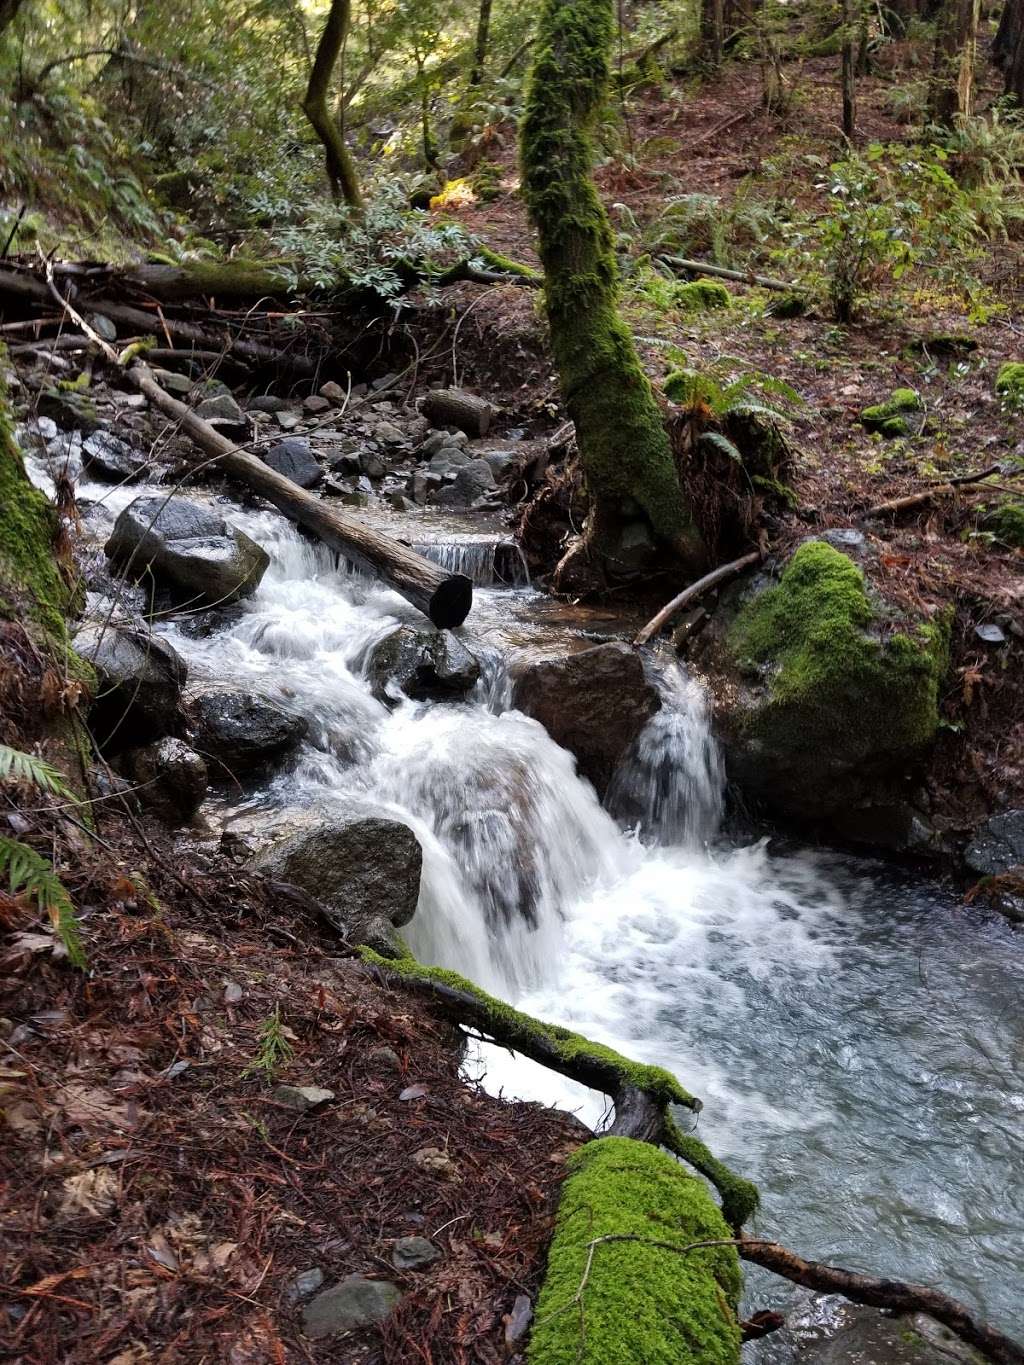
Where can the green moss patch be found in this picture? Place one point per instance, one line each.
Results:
(1006, 522)
(642, 1304)
(701, 296)
(1010, 383)
(838, 689)
(889, 418)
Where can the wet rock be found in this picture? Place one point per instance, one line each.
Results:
(106, 456)
(474, 480)
(635, 549)
(294, 459)
(421, 663)
(71, 411)
(187, 548)
(223, 412)
(869, 1337)
(998, 845)
(301, 1097)
(174, 383)
(268, 402)
(501, 463)
(594, 704)
(429, 447)
(171, 778)
(424, 485)
(364, 866)
(242, 731)
(399, 502)
(355, 1302)
(139, 677)
(448, 461)
(413, 1253)
(372, 465)
(346, 462)
(103, 327)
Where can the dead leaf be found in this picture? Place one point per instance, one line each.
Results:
(93, 1193)
(159, 1249)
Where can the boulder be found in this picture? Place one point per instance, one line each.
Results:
(242, 731)
(268, 403)
(826, 696)
(180, 384)
(171, 778)
(223, 412)
(355, 1302)
(998, 845)
(70, 410)
(189, 549)
(106, 456)
(364, 867)
(421, 663)
(139, 679)
(594, 703)
(870, 1337)
(294, 459)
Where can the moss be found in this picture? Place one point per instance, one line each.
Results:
(791, 305)
(887, 418)
(641, 1304)
(835, 683)
(624, 447)
(701, 296)
(740, 1198)
(661, 1084)
(496, 261)
(1006, 522)
(1010, 383)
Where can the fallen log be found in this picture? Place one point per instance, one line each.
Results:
(456, 408)
(725, 273)
(690, 594)
(444, 597)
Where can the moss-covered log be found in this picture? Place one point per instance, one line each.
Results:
(623, 445)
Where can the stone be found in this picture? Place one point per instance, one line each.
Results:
(449, 459)
(501, 462)
(294, 459)
(103, 327)
(355, 1302)
(315, 405)
(132, 402)
(305, 1283)
(998, 845)
(594, 703)
(421, 664)
(423, 485)
(106, 456)
(365, 866)
(287, 420)
(990, 634)
(413, 1253)
(474, 480)
(222, 411)
(635, 548)
(436, 441)
(268, 402)
(869, 1337)
(189, 549)
(333, 392)
(518, 1321)
(385, 1058)
(399, 502)
(174, 383)
(243, 731)
(140, 678)
(171, 778)
(71, 411)
(346, 462)
(301, 1097)
(389, 434)
(372, 465)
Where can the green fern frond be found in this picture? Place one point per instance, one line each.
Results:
(760, 410)
(31, 873)
(717, 441)
(16, 766)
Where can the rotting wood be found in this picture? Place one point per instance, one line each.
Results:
(456, 408)
(690, 594)
(445, 598)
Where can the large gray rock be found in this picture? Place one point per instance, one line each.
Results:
(421, 663)
(189, 549)
(139, 679)
(363, 867)
(223, 412)
(170, 778)
(594, 704)
(355, 1302)
(106, 456)
(242, 731)
(293, 458)
(998, 845)
(868, 1337)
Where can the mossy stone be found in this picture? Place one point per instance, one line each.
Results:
(701, 296)
(1006, 522)
(888, 418)
(1010, 383)
(648, 1298)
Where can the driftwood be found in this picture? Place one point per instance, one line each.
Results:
(444, 597)
(939, 490)
(740, 276)
(691, 594)
(456, 408)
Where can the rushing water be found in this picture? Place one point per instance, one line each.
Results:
(856, 1036)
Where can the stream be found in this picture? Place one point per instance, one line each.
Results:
(855, 1033)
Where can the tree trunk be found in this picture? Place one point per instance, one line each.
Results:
(1008, 49)
(483, 30)
(956, 39)
(624, 448)
(849, 63)
(340, 168)
(8, 12)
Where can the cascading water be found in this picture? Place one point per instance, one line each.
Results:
(855, 1038)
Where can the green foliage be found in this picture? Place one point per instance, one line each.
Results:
(701, 296)
(273, 1050)
(704, 226)
(31, 875)
(888, 418)
(16, 766)
(626, 1301)
(1005, 522)
(1010, 385)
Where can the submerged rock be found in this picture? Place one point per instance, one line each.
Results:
(594, 704)
(355, 1302)
(242, 731)
(187, 548)
(998, 846)
(139, 678)
(365, 867)
(421, 663)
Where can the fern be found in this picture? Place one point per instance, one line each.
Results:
(16, 766)
(32, 875)
(717, 441)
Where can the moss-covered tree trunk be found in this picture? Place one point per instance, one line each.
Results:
(483, 30)
(341, 169)
(624, 448)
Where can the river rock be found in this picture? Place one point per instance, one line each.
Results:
(139, 678)
(294, 459)
(421, 663)
(594, 703)
(998, 845)
(413, 1253)
(365, 867)
(222, 412)
(189, 549)
(181, 384)
(355, 1302)
(171, 778)
(268, 403)
(869, 1337)
(106, 456)
(242, 731)
(71, 411)
(824, 709)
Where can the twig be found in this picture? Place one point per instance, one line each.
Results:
(940, 490)
(694, 591)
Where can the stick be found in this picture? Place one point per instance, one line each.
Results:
(691, 594)
(941, 490)
(740, 276)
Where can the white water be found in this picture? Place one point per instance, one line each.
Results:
(856, 1040)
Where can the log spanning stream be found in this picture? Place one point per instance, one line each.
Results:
(856, 1035)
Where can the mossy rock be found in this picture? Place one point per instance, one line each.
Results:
(1010, 383)
(641, 1303)
(701, 296)
(827, 697)
(784, 306)
(1006, 522)
(889, 418)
